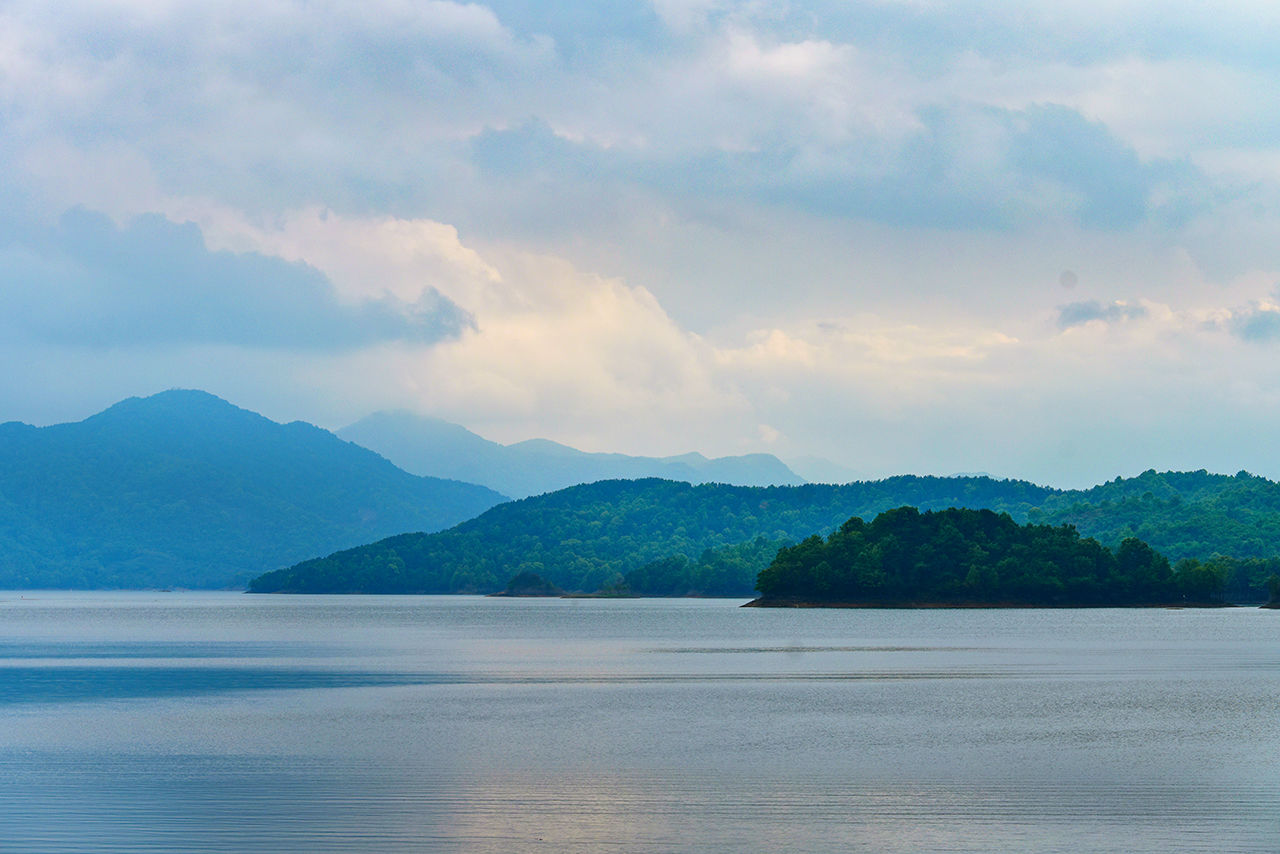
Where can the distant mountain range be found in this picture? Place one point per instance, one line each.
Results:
(185, 489)
(429, 446)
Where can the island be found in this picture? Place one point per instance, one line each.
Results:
(975, 558)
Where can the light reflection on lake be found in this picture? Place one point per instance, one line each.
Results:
(225, 722)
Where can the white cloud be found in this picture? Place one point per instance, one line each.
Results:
(737, 89)
(366, 258)
(590, 356)
(257, 104)
(581, 352)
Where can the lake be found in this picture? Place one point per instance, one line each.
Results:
(221, 722)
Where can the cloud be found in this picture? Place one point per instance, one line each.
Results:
(1060, 145)
(656, 226)
(542, 340)
(372, 258)
(591, 354)
(89, 283)
(976, 166)
(598, 362)
(260, 102)
(961, 167)
(1062, 409)
(1080, 313)
(427, 108)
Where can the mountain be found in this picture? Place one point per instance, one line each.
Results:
(184, 489)
(588, 537)
(599, 535)
(430, 446)
(1181, 514)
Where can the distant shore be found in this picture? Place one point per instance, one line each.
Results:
(802, 603)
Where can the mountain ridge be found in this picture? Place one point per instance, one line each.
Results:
(433, 447)
(589, 536)
(182, 488)
(595, 536)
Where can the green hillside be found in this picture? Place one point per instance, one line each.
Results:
(184, 489)
(594, 536)
(1181, 514)
(587, 537)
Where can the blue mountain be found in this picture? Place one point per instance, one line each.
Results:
(184, 489)
(430, 446)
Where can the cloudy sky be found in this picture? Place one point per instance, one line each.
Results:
(1035, 239)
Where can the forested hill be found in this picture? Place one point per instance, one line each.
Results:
(587, 537)
(185, 489)
(1181, 514)
(974, 557)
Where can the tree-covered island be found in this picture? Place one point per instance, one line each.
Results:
(960, 557)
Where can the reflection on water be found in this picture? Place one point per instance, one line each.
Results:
(68, 683)
(201, 804)
(227, 723)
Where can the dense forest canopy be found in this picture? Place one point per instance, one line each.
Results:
(726, 571)
(653, 535)
(589, 537)
(1182, 514)
(603, 535)
(961, 556)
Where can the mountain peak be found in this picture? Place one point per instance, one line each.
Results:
(403, 422)
(175, 400)
(178, 397)
(178, 415)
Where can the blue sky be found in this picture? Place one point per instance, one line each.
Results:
(1033, 239)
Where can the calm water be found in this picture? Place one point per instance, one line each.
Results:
(232, 723)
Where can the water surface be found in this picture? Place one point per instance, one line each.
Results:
(212, 722)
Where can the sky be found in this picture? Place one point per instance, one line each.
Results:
(1033, 239)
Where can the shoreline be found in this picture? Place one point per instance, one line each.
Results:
(919, 606)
